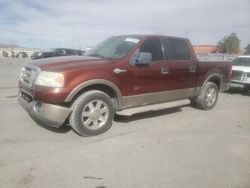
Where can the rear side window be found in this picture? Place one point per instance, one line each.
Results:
(70, 52)
(61, 52)
(153, 46)
(177, 49)
(79, 52)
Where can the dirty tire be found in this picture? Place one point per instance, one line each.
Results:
(208, 97)
(193, 102)
(92, 113)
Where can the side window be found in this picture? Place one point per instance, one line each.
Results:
(153, 46)
(123, 48)
(61, 52)
(69, 52)
(177, 49)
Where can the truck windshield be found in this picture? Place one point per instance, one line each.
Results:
(241, 62)
(113, 47)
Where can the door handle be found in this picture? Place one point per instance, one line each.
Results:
(164, 70)
(192, 68)
(118, 71)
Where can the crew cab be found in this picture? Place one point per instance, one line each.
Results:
(121, 72)
(241, 73)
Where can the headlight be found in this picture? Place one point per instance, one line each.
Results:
(50, 79)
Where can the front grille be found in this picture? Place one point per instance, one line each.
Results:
(26, 97)
(28, 75)
(237, 75)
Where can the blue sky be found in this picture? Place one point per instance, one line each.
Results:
(82, 23)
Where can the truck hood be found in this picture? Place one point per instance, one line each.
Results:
(241, 68)
(58, 64)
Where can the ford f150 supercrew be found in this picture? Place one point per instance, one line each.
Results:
(121, 72)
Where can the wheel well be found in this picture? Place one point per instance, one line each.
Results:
(100, 87)
(216, 81)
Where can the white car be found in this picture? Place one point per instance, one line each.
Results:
(241, 73)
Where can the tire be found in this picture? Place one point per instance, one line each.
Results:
(92, 113)
(208, 98)
(193, 102)
(246, 89)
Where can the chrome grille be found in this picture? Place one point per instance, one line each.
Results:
(28, 75)
(237, 75)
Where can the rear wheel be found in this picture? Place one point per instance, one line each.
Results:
(92, 113)
(208, 97)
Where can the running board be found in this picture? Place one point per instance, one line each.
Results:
(153, 107)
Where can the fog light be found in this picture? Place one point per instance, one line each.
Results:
(38, 107)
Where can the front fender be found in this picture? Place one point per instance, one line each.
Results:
(85, 84)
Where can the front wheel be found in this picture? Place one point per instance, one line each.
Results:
(92, 113)
(208, 97)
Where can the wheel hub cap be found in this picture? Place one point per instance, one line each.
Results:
(95, 114)
(210, 97)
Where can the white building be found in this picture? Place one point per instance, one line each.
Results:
(16, 51)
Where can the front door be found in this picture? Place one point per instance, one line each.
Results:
(146, 79)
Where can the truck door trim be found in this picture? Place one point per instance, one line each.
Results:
(153, 98)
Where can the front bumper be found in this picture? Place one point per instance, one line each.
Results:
(50, 114)
(239, 85)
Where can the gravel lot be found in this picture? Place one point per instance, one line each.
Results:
(177, 147)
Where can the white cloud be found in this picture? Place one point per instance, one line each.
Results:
(82, 23)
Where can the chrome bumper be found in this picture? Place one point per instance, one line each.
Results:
(224, 86)
(50, 114)
(239, 84)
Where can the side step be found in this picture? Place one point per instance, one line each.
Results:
(153, 107)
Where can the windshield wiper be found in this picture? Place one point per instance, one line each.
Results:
(96, 55)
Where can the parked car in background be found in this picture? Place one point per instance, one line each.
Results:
(5, 54)
(57, 52)
(241, 73)
(21, 54)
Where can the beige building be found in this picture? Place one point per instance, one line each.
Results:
(200, 49)
(205, 49)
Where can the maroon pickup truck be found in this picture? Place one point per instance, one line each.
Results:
(121, 72)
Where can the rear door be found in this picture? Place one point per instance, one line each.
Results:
(181, 65)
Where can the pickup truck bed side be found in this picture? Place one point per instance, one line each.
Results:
(217, 72)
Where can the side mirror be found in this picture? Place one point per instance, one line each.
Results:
(144, 58)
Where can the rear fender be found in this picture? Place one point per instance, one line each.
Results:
(215, 78)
